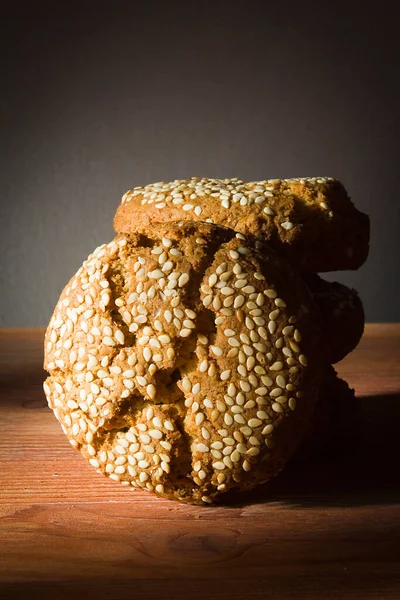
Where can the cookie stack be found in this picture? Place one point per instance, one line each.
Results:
(192, 354)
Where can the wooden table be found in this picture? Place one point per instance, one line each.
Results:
(324, 528)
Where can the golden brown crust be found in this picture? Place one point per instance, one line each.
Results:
(184, 361)
(311, 221)
(343, 315)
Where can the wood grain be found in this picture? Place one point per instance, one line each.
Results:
(326, 527)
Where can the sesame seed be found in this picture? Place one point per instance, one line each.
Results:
(268, 429)
(276, 366)
(202, 448)
(196, 388)
(287, 330)
(262, 415)
(241, 369)
(281, 381)
(151, 391)
(205, 433)
(303, 360)
(287, 225)
(280, 302)
(262, 391)
(260, 300)
(292, 403)
(235, 456)
(253, 451)
(281, 399)
(156, 274)
(239, 301)
(199, 418)
(229, 332)
(277, 407)
(225, 375)
(183, 279)
(108, 341)
(268, 211)
(297, 335)
(203, 366)
(147, 354)
(262, 332)
(294, 346)
(219, 465)
(189, 323)
(156, 434)
(228, 419)
(216, 350)
(227, 291)
(249, 323)
(248, 289)
(254, 423)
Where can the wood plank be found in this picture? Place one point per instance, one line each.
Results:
(329, 527)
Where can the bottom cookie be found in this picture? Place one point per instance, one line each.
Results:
(343, 315)
(335, 421)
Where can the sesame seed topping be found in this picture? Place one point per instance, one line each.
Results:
(254, 423)
(183, 280)
(216, 350)
(287, 225)
(202, 448)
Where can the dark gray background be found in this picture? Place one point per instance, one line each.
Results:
(99, 97)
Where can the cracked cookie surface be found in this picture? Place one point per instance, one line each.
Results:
(185, 360)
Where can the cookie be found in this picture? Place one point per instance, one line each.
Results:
(185, 361)
(343, 315)
(334, 427)
(311, 221)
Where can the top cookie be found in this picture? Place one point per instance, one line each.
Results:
(311, 221)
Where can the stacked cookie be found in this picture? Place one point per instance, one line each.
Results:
(192, 354)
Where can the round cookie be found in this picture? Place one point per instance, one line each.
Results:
(185, 361)
(311, 221)
(343, 315)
